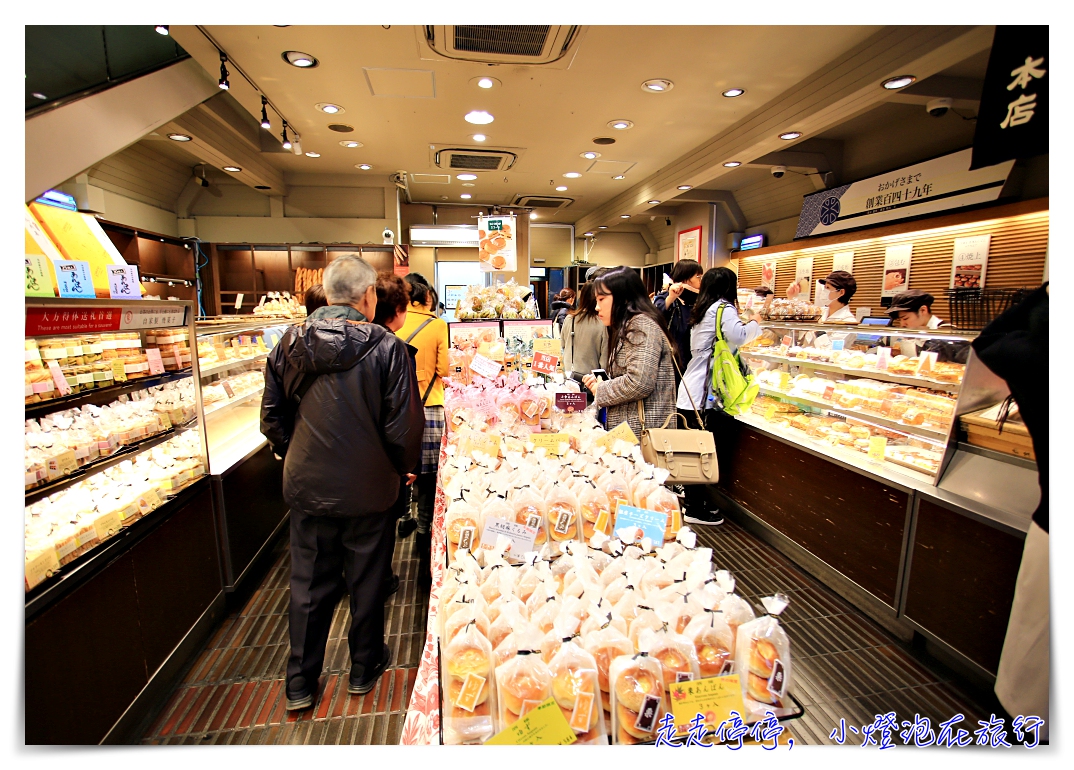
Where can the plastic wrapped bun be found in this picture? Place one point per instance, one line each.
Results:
(763, 663)
(469, 695)
(529, 509)
(637, 698)
(595, 510)
(605, 645)
(576, 690)
(713, 642)
(462, 522)
(562, 514)
(522, 684)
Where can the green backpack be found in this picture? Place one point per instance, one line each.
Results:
(733, 390)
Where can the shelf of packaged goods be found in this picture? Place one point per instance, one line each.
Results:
(102, 396)
(231, 404)
(932, 434)
(948, 334)
(229, 365)
(870, 374)
(246, 324)
(125, 452)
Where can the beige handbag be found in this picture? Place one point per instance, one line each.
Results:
(688, 455)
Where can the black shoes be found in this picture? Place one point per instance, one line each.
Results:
(391, 585)
(365, 683)
(704, 518)
(299, 694)
(406, 527)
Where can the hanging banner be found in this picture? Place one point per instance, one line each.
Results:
(803, 276)
(843, 260)
(768, 275)
(970, 262)
(496, 244)
(935, 185)
(896, 269)
(1012, 121)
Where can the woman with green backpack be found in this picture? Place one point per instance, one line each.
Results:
(714, 376)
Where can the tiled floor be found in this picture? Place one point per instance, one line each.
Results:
(845, 666)
(233, 693)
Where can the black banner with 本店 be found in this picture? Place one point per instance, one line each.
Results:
(1012, 122)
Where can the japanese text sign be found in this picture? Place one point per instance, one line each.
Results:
(74, 279)
(713, 698)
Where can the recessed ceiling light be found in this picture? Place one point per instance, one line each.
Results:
(478, 117)
(162, 29)
(466, 196)
(313, 154)
(232, 169)
(533, 215)
(486, 83)
(732, 164)
(479, 137)
(364, 166)
(653, 202)
(685, 187)
(657, 85)
(572, 175)
(624, 216)
(621, 125)
(561, 188)
(179, 137)
(789, 135)
(466, 177)
(299, 59)
(350, 144)
(618, 177)
(730, 93)
(38, 95)
(602, 227)
(467, 184)
(901, 81)
(588, 234)
(329, 108)
(590, 155)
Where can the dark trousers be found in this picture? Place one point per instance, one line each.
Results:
(331, 555)
(697, 498)
(426, 492)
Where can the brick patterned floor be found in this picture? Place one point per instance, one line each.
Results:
(233, 693)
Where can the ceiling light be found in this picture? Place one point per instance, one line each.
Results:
(466, 196)
(299, 59)
(466, 177)
(479, 137)
(265, 122)
(486, 83)
(621, 125)
(657, 85)
(618, 177)
(533, 215)
(286, 141)
(38, 95)
(789, 135)
(478, 117)
(162, 29)
(224, 84)
(561, 188)
(572, 175)
(313, 154)
(296, 146)
(232, 169)
(589, 234)
(732, 164)
(731, 93)
(179, 137)
(624, 216)
(602, 227)
(467, 184)
(685, 187)
(364, 167)
(590, 155)
(901, 81)
(329, 108)
(350, 144)
(652, 202)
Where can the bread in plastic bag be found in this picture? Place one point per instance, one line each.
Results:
(637, 698)
(522, 684)
(469, 696)
(713, 642)
(763, 662)
(576, 689)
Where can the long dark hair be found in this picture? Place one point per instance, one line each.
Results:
(685, 269)
(629, 299)
(718, 283)
(420, 289)
(587, 302)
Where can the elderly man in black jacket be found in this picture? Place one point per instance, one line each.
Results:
(341, 406)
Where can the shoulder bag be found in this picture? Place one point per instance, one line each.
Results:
(734, 389)
(432, 382)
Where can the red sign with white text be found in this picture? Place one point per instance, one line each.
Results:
(544, 363)
(56, 319)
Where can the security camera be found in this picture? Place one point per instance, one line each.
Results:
(779, 171)
(388, 235)
(399, 179)
(937, 108)
(201, 181)
(667, 221)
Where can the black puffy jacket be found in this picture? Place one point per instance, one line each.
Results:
(359, 425)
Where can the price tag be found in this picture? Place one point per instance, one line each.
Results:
(883, 358)
(877, 447)
(107, 525)
(148, 501)
(570, 402)
(261, 344)
(837, 344)
(786, 341)
(42, 566)
(74, 279)
(829, 392)
(555, 443)
(783, 349)
(544, 725)
(63, 464)
(123, 282)
(714, 698)
(58, 378)
(119, 371)
(156, 365)
(479, 442)
(603, 521)
(228, 389)
(238, 301)
(547, 345)
(472, 687)
(927, 360)
(485, 367)
(521, 536)
(651, 523)
(236, 342)
(770, 412)
(620, 431)
(38, 277)
(221, 352)
(543, 363)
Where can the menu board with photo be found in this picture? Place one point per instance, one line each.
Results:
(896, 269)
(768, 275)
(497, 251)
(970, 262)
(803, 276)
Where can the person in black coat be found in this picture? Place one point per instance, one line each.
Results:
(341, 407)
(562, 304)
(675, 303)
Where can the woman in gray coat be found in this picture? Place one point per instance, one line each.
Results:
(585, 338)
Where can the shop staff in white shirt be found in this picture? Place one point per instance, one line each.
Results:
(913, 310)
(841, 287)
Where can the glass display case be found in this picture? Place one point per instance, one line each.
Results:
(112, 430)
(878, 399)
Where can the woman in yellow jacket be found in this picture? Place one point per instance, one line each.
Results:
(429, 334)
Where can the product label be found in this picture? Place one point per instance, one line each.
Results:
(148, 501)
(546, 345)
(714, 698)
(683, 676)
(583, 712)
(123, 282)
(543, 363)
(651, 523)
(521, 536)
(119, 371)
(156, 365)
(74, 279)
(570, 402)
(38, 278)
(43, 566)
(466, 539)
(650, 707)
(563, 523)
(533, 521)
(777, 683)
(228, 389)
(58, 378)
(63, 464)
(107, 525)
(603, 520)
(883, 358)
(544, 725)
(620, 431)
(485, 367)
(87, 536)
(554, 443)
(475, 441)
(770, 412)
(472, 687)
(877, 446)
(829, 391)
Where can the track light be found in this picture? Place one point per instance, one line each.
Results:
(162, 29)
(224, 84)
(286, 141)
(265, 123)
(296, 145)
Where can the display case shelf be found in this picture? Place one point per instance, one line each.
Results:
(227, 406)
(946, 334)
(872, 374)
(101, 396)
(229, 365)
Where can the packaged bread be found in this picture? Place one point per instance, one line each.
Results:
(736, 611)
(713, 642)
(462, 524)
(675, 653)
(576, 690)
(529, 509)
(636, 685)
(562, 514)
(469, 696)
(522, 684)
(763, 661)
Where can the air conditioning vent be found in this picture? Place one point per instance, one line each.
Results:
(504, 43)
(458, 159)
(542, 201)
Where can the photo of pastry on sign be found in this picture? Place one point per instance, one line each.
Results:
(496, 244)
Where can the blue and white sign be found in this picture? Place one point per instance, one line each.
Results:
(751, 242)
(651, 523)
(74, 279)
(123, 282)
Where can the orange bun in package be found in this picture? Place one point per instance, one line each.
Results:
(617, 489)
(462, 526)
(469, 693)
(562, 514)
(576, 690)
(522, 683)
(595, 510)
(637, 698)
(713, 642)
(529, 509)
(736, 611)
(663, 500)
(605, 644)
(763, 661)
(676, 655)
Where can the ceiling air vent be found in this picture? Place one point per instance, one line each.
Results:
(542, 201)
(458, 159)
(504, 43)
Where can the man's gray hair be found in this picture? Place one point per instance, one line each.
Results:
(347, 279)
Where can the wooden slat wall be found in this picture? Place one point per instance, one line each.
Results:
(1015, 259)
(139, 173)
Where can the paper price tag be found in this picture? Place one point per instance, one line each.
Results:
(554, 443)
(472, 687)
(123, 282)
(544, 363)
(603, 523)
(544, 725)
(156, 365)
(927, 360)
(883, 358)
(583, 712)
(521, 536)
(221, 352)
(107, 525)
(228, 389)
(238, 301)
(38, 277)
(485, 404)
(63, 464)
(829, 392)
(479, 442)
(620, 431)
(148, 501)
(837, 344)
(58, 378)
(41, 567)
(547, 345)
(570, 402)
(770, 412)
(877, 447)
(119, 370)
(485, 366)
(651, 523)
(713, 698)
